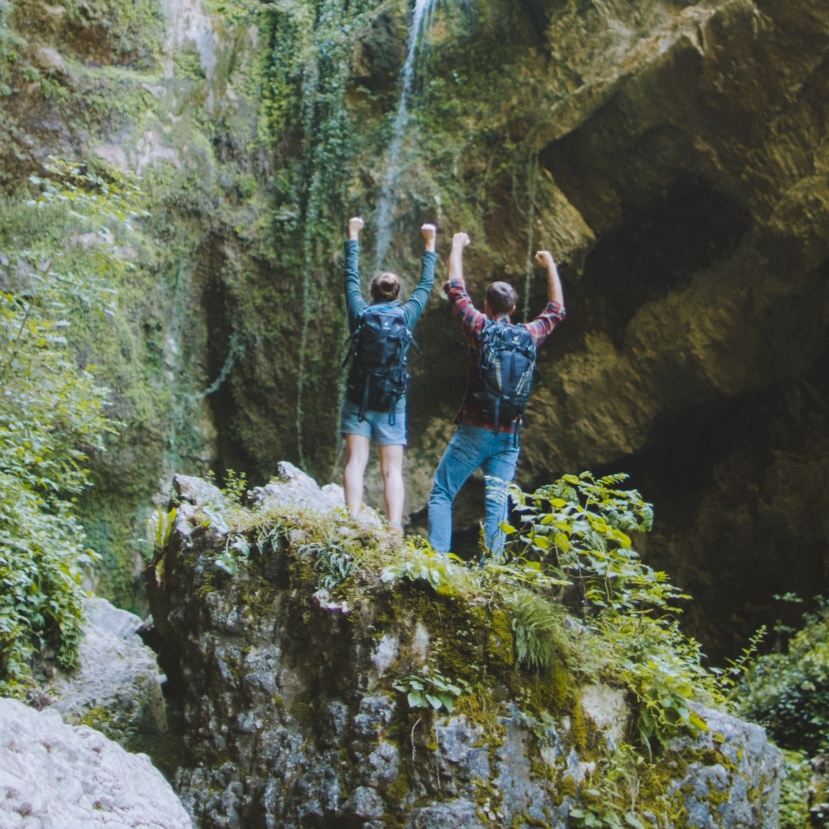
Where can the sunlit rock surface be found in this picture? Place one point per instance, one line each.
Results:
(117, 685)
(56, 776)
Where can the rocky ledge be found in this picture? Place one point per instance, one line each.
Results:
(331, 675)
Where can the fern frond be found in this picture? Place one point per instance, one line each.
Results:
(540, 636)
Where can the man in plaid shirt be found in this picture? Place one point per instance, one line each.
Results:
(479, 441)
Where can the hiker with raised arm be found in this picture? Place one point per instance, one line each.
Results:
(502, 371)
(374, 410)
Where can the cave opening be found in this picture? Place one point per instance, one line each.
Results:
(658, 247)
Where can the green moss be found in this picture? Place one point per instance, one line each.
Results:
(499, 643)
(654, 787)
(457, 637)
(398, 790)
(97, 717)
(566, 787)
(578, 729)
(543, 692)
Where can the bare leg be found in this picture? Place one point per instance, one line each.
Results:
(357, 447)
(391, 468)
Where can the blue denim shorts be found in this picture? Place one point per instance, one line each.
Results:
(375, 426)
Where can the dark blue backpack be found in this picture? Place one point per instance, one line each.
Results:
(378, 377)
(507, 372)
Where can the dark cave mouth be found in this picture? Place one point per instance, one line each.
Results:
(660, 245)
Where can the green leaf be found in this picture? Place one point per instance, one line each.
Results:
(697, 722)
(434, 701)
(415, 700)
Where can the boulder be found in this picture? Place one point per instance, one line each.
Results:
(50, 62)
(56, 776)
(716, 794)
(293, 708)
(292, 488)
(117, 685)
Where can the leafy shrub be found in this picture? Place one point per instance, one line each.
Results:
(431, 690)
(572, 546)
(442, 572)
(788, 693)
(51, 409)
(794, 791)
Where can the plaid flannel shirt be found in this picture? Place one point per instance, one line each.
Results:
(472, 322)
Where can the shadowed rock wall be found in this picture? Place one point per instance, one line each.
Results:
(690, 149)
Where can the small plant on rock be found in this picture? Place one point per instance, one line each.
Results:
(431, 690)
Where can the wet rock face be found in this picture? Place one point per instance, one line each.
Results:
(679, 160)
(292, 719)
(704, 303)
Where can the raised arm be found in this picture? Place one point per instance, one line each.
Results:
(353, 295)
(554, 291)
(459, 242)
(542, 326)
(471, 319)
(420, 296)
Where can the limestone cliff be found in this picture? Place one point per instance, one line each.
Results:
(57, 776)
(671, 154)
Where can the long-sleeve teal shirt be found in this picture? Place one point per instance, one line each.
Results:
(354, 296)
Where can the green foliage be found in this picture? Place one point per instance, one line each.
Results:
(223, 517)
(52, 412)
(577, 530)
(333, 563)
(573, 546)
(305, 78)
(159, 527)
(236, 486)
(130, 31)
(788, 693)
(794, 791)
(442, 572)
(538, 625)
(431, 690)
(613, 803)
(236, 547)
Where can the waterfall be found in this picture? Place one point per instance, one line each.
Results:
(421, 20)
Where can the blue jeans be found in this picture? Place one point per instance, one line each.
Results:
(497, 454)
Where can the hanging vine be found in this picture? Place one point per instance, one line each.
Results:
(305, 80)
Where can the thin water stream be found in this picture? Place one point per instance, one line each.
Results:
(421, 23)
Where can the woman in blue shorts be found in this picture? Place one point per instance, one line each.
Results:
(386, 430)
